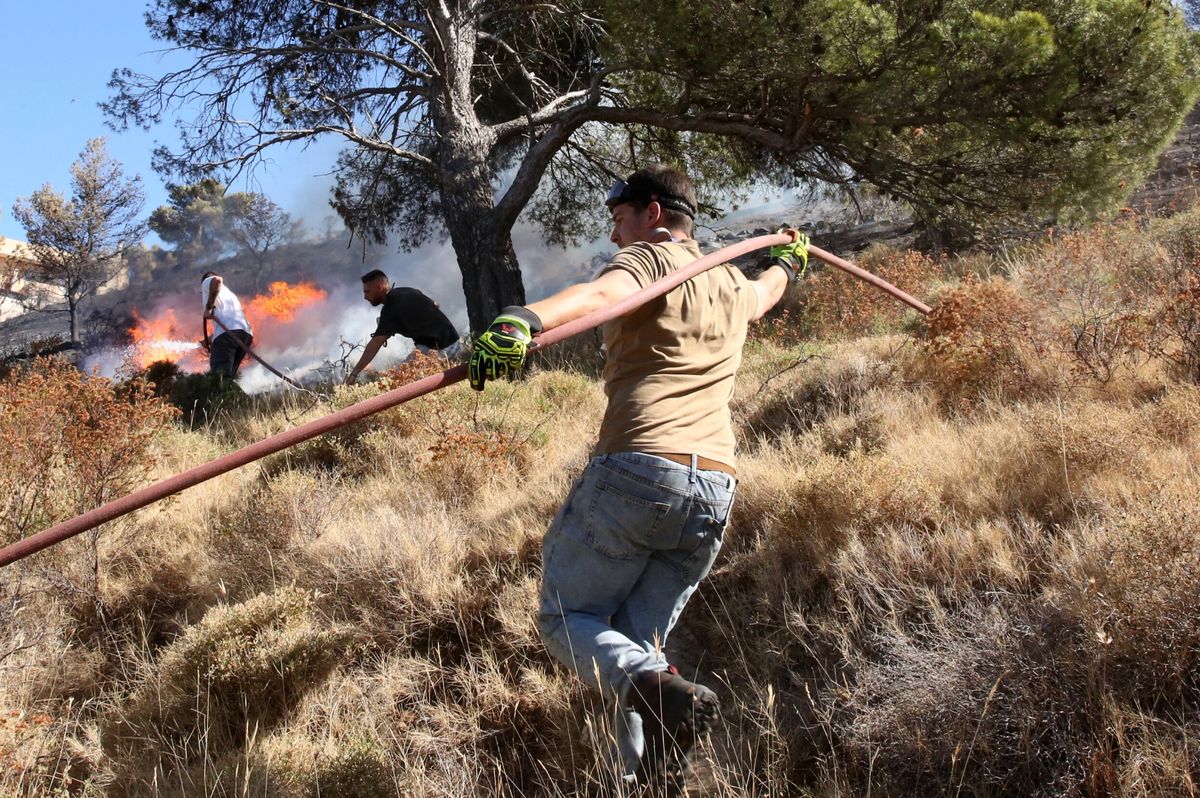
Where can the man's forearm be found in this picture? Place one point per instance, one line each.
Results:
(369, 351)
(770, 286)
(581, 299)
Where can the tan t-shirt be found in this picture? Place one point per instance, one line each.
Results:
(671, 363)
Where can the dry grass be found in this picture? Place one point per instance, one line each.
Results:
(938, 581)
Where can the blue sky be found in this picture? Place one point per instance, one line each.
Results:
(52, 85)
(55, 62)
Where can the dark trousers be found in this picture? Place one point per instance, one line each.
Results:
(224, 355)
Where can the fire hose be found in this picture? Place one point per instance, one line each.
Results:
(282, 440)
(255, 356)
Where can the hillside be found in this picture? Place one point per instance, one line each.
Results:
(1173, 183)
(964, 560)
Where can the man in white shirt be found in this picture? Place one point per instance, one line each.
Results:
(232, 334)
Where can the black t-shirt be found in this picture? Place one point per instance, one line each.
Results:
(408, 312)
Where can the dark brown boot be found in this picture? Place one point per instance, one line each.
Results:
(675, 714)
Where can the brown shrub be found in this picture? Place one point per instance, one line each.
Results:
(1135, 580)
(235, 672)
(416, 367)
(1095, 289)
(34, 758)
(782, 327)
(357, 767)
(1175, 416)
(71, 443)
(805, 391)
(827, 504)
(1179, 234)
(834, 303)
(983, 338)
(910, 603)
(1117, 295)
(1179, 321)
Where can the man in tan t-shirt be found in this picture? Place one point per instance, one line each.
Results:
(643, 524)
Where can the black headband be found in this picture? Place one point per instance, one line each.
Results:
(622, 191)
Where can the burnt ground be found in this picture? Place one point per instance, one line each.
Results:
(1175, 182)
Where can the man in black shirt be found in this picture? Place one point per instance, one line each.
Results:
(407, 312)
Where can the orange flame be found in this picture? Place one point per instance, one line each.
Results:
(282, 302)
(158, 338)
(148, 330)
(161, 337)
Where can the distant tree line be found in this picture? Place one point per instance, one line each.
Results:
(204, 224)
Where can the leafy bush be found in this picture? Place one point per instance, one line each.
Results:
(201, 398)
(71, 443)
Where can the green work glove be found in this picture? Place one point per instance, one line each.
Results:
(501, 348)
(792, 258)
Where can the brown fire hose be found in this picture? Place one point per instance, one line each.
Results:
(874, 280)
(254, 355)
(282, 440)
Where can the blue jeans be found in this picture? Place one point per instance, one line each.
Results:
(626, 551)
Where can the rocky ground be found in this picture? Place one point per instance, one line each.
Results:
(1174, 183)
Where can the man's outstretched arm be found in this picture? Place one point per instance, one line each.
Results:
(369, 351)
(581, 299)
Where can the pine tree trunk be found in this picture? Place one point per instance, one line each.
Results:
(483, 246)
(73, 312)
(491, 276)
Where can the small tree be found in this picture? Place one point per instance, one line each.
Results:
(193, 221)
(258, 225)
(79, 243)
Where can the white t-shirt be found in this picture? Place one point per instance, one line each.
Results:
(227, 310)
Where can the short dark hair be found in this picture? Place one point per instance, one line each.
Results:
(670, 182)
(206, 275)
(373, 275)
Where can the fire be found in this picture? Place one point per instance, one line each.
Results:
(158, 338)
(282, 302)
(148, 330)
(162, 337)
